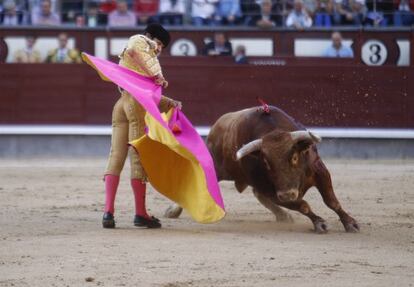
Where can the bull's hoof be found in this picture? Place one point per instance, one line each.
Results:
(352, 227)
(320, 226)
(174, 211)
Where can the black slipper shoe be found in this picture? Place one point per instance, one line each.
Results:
(108, 220)
(142, 221)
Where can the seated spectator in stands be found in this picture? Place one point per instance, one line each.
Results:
(249, 10)
(172, 12)
(122, 17)
(63, 54)
(21, 5)
(227, 12)
(310, 7)
(220, 46)
(10, 16)
(404, 15)
(298, 18)
(202, 12)
(70, 9)
(337, 48)
(240, 55)
(270, 15)
(93, 17)
(80, 20)
(34, 5)
(324, 13)
(44, 15)
(349, 12)
(28, 54)
(379, 14)
(107, 6)
(146, 11)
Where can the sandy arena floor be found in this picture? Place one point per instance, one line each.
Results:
(51, 234)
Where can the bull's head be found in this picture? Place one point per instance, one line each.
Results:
(286, 158)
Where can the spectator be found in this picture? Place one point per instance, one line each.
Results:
(146, 10)
(324, 13)
(21, 5)
(249, 10)
(10, 16)
(28, 54)
(380, 12)
(298, 18)
(35, 5)
(220, 46)
(107, 6)
(404, 15)
(349, 12)
(227, 12)
(63, 54)
(70, 9)
(172, 12)
(44, 15)
(240, 55)
(310, 7)
(202, 11)
(80, 20)
(270, 16)
(93, 18)
(122, 17)
(337, 49)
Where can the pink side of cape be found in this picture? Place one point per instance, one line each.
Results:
(148, 95)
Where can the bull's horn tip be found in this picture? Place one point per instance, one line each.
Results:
(315, 137)
(238, 155)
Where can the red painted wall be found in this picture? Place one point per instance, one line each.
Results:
(318, 93)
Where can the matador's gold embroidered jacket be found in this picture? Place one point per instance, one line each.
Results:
(139, 55)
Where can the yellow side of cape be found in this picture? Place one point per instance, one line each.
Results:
(175, 172)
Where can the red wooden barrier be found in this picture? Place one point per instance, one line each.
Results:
(315, 94)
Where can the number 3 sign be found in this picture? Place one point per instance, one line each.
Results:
(374, 53)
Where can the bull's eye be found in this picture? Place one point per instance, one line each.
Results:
(295, 159)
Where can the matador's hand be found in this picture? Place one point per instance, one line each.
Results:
(160, 80)
(178, 104)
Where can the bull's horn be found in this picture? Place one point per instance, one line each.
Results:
(305, 135)
(248, 148)
(315, 137)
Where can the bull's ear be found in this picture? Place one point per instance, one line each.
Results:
(303, 145)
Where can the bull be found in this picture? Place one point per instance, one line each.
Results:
(275, 155)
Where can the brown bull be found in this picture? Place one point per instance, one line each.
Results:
(278, 158)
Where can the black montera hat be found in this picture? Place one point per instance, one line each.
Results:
(158, 31)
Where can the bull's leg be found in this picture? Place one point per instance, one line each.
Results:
(281, 215)
(173, 211)
(324, 185)
(303, 207)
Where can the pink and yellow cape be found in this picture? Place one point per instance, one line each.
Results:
(177, 161)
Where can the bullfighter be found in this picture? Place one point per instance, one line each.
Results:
(139, 55)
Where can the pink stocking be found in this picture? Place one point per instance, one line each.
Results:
(139, 187)
(111, 186)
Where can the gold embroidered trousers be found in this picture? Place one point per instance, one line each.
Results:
(128, 124)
